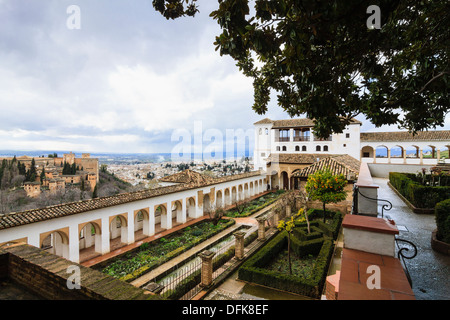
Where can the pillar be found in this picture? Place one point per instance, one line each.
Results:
(183, 210)
(130, 227)
(261, 228)
(404, 155)
(105, 236)
(151, 221)
(421, 156)
(239, 245)
(276, 218)
(74, 244)
(389, 155)
(207, 268)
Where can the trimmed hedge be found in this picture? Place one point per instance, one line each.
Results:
(253, 269)
(442, 213)
(419, 195)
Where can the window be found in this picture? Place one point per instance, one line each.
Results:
(325, 148)
(347, 135)
(284, 148)
(303, 148)
(297, 148)
(318, 148)
(278, 148)
(366, 154)
(345, 145)
(267, 131)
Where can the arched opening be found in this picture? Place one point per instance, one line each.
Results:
(367, 152)
(141, 222)
(160, 217)
(91, 236)
(57, 243)
(297, 148)
(233, 195)
(397, 152)
(304, 148)
(219, 199)
(177, 211)
(240, 193)
(190, 209)
(227, 197)
(284, 180)
(325, 148)
(118, 228)
(381, 152)
(246, 194)
(206, 204)
(284, 148)
(318, 148)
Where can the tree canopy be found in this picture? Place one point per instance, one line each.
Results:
(324, 62)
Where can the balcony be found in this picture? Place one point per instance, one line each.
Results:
(302, 138)
(282, 139)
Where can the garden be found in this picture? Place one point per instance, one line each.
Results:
(422, 190)
(297, 259)
(245, 209)
(148, 256)
(135, 263)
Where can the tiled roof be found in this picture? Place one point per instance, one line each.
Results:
(439, 135)
(188, 176)
(292, 123)
(296, 158)
(342, 164)
(36, 215)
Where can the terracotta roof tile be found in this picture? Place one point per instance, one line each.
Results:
(341, 164)
(439, 135)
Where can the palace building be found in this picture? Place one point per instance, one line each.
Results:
(284, 148)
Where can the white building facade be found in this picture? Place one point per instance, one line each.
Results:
(295, 136)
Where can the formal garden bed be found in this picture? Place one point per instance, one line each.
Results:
(245, 209)
(148, 256)
(311, 254)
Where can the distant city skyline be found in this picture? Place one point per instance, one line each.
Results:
(123, 82)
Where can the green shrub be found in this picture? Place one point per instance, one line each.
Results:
(420, 196)
(442, 214)
(253, 269)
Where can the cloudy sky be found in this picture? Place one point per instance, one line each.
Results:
(127, 81)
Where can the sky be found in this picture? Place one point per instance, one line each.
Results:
(124, 80)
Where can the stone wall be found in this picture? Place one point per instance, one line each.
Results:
(46, 275)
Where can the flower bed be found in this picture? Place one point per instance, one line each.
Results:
(148, 256)
(255, 205)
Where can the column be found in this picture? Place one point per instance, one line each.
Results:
(288, 211)
(404, 155)
(389, 155)
(421, 156)
(207, 268)
(130, 227)
(151, 220)
(74, 244)
(105, 235)
(168, 216)
(184, 204)
(239, 244)
(276, 218)
(261, 228)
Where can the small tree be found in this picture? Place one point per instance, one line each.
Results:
(288, 226)
(326, 187)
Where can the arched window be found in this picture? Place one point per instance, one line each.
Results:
(284, 148)
(267, 131)
(297, 148)
(318, 148)
(303, 148)
(278, 148)
(325, 148)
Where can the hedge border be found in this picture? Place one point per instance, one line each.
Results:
(253, 270)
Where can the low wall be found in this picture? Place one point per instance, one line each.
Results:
(381, 170)
(46, 275)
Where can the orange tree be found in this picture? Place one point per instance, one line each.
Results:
(326, 187)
